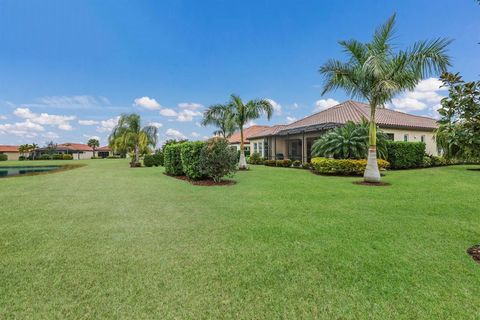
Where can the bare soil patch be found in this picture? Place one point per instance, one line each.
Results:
(372, 184)
(474, 252)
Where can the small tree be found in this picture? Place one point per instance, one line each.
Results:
(51, 148)
(94, 144)
(218, 159)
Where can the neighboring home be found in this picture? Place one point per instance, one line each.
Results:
(77, 150)
(104, 152)
(294, 141)
(11, 152)
(234, 139)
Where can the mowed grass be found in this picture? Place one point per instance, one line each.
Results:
(107, 241)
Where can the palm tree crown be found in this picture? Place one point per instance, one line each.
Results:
(376, 72)
(219, 115)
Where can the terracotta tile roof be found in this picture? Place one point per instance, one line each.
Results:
(4, 148)
(269, 131)
(104, 148)
(356, 111)
(247, 133)
(74, 146)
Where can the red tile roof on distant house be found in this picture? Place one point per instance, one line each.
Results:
(4, 148)
(104, 148)
(74, 146)
(356, 112)
(247, 132)
(269, 131)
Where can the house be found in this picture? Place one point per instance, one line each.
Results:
(11, 152)
(104, 152)
(294, 141)
(234, 139)
(79, 151)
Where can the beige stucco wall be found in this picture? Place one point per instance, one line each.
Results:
(12, 155)
(82, 156)
(415, 136)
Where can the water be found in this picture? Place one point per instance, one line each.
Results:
(15, 171)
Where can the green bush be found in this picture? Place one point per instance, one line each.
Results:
(3, 157)
(279, 163)
(190, 156)
(57, 156)
(438, 161)
(404, 155)
(67, 157)
(149, 160)
(427, 161)
(255, 158)
(296, 163)
(346, 167)
(217, 159)
(158, 156)
(22, 158)
(287, 163)
(172, 159)
(306, 165)
(45, 157)
(96, 157)
(113, 157)
(270, 163)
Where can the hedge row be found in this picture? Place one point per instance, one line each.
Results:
(404, 155)
(3, 157)
(151, 160)
(190, 157)
(345, 167)
(172, 159)
(56, 157)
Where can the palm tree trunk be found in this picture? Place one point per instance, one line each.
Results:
(242, 165)
(372, 174)
(136, 154)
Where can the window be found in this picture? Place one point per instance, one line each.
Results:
(266, 150)
(255, 147)
(422, 138)
(260, 149)
(390, 136)
(405, 137)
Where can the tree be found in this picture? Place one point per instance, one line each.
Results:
(458, 135)
(51, 148)
(242, 113)
(220, 115)
(217, 159)
(32, 149)
(94, 144)
(348, 142)
(376, 72)
(129, 136)
(23, 148)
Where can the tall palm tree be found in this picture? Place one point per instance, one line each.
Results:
(94, 144)
(242, 113)
(32, 149)
(376, 72)
(23, 148)
(129, 135)
(220, 115)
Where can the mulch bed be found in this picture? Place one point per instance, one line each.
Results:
(372, 184)
(208, 182)
(474, 169)
(474, 252)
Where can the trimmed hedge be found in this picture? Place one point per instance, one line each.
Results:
(344, 167)
(67, 157)
(172, 159)
(3, 157)
(190, 158)
(270, 163)
(158, 156)
(404, 155)
(149, 160)
(45, 157)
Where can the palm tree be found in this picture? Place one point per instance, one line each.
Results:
(32, 149)
(220, 115)
(94, 144)
(242, 113)
(348, 142)
(376, 72)
(129, 135)
(23, 148)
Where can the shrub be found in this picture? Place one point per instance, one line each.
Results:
(296, 163)
(45, 157)
(113, 157)
(403, 155)
(438, 161)
(306, 165)
(279, 163)
(149, 160)
(270, 163)
(3, 157)
(57, 156)
(256, 159)
(67, 157)
(347, 167)
(190, 156)
(158, 156)
(427, 161)
(287, 163)
(22, 158)
(134, 164)
(172, 159)
(217, 159)
(96, 157)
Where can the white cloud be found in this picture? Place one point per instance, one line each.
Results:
(323, 104)
(277, 108)
(62, 122)
(88, 122)
(291, 119)
(174, 134)
(187, 115)
(168, 112)
(424, 99)
(156, 124)
(195, 134)
(107, 125)
(88, 137)
(147, 103)
(295, 106)
(63, 101)
(27, 129)
(190, 105)
(3, 117)
(50, 135)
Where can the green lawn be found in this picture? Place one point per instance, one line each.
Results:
(107, 241)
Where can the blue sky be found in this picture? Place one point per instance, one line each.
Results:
(69, 68)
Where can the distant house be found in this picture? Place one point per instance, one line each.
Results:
(11, 152)
(234, 139)
(104, 152)
(79, 151)
(294, 141)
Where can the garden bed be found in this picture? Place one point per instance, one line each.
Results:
(206, 182)
(474, 252)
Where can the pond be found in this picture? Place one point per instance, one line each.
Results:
(21, 170)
